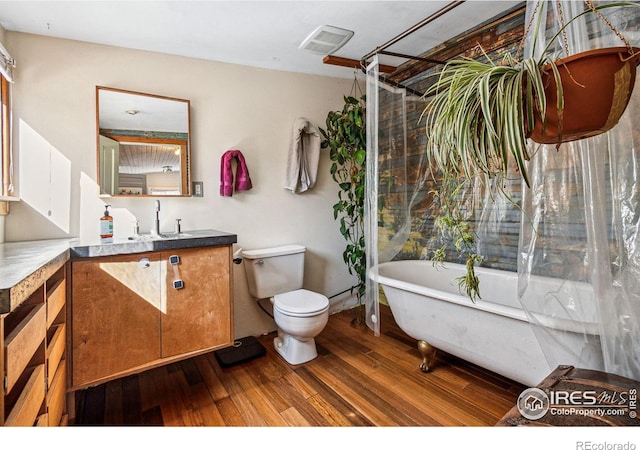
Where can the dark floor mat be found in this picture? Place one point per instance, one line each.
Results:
(244, 349)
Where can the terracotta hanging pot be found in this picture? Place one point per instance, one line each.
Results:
(597, 86)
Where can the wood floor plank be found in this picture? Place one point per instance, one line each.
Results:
(246, 410)
(293, 418)
(408, 398)
(259, 399)
(205, 406)
(358, 379)
(403, 353)
(132, 405)
(334, 399)
(92, 406)
(169, 405)
(241, 399)
(297, 399)
(182, 402)
(153, 416)
(374, 409)
(413, 390)
(113, 413)
(271, 392)
(229, 413)
(152, 393)
(190, 370)
(330, 413)
(382, 368)
(209, 377)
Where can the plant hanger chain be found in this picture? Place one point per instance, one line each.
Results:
(356, 91)
(609, 24)
(526, 32)
(565, 41)
(591, 6)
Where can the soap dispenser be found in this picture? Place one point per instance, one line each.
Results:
(106, 226)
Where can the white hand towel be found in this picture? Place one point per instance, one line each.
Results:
(304, 155)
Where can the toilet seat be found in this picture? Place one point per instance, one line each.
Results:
(301, 303)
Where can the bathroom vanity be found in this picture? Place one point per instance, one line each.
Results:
(145, 303)
(73, 315)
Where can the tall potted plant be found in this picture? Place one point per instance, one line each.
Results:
(345, 135)
(481, 113)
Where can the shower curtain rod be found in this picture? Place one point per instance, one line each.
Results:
(382, 49)
(404, 34)
(417, 58)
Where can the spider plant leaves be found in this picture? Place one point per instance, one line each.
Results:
(475, 119)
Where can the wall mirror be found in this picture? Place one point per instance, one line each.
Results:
(143, 144)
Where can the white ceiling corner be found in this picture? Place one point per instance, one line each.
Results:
(263, 34)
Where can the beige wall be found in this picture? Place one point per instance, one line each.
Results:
(232, 106)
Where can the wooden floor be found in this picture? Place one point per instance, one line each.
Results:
(357, 380)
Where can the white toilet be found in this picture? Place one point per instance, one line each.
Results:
(300, 315)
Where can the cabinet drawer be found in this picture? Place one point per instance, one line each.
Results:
(55, 350)
(56, 396)
(23, 341)
(27, 407)
(56, 296)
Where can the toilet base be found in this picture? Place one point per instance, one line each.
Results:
(295, 351)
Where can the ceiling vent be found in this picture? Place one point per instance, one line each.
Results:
(326, 39)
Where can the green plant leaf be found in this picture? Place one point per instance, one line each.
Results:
(346, 137)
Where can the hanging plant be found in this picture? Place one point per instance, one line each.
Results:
(481, 114)
(345, 135)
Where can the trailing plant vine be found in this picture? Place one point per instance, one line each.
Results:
(345, 135)
(452, 227)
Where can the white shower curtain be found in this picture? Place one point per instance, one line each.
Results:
(582, 217)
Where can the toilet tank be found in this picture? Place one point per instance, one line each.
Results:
(274, 270)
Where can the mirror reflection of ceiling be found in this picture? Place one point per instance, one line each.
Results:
(148, 158)
(122, 111)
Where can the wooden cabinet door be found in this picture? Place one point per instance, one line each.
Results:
(115, 315)
(199, 315)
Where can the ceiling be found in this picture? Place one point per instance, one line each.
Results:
(262, 34)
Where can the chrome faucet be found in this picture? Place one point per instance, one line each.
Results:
(156, 229)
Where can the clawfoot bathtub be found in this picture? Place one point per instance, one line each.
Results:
(494, 332)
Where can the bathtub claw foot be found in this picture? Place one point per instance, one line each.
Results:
(428, 353)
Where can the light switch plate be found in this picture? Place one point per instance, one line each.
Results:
(197, 190)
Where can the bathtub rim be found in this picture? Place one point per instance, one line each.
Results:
(554, 323)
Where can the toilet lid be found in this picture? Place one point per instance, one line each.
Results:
(301, 302)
